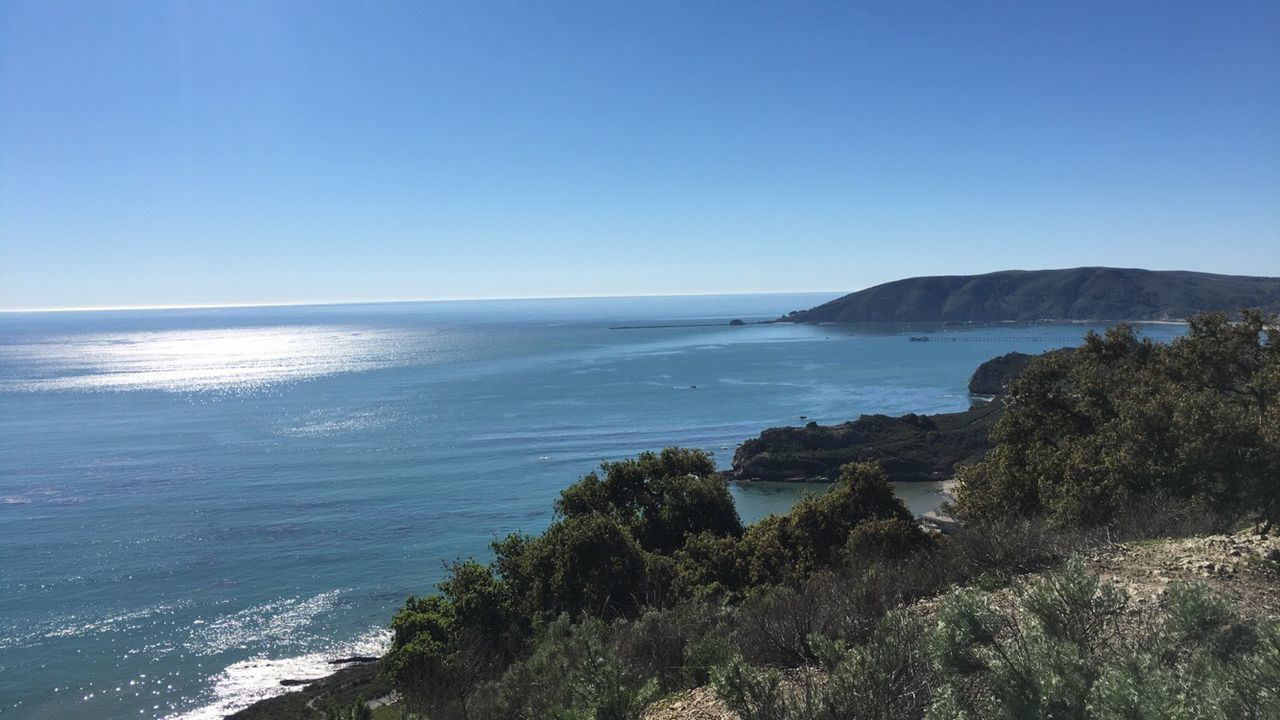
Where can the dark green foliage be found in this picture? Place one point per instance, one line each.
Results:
(480, 601)
(885, 677)
(895, 537)
(659, 498)
(753, 693)
(709, 567)
(812, 535)
(648, 533)
(1087, 432)
(676, 646)
(775, 624)
(582, 564)
(573, 672)
(592, 669)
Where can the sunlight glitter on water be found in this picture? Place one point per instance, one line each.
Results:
(202, 360)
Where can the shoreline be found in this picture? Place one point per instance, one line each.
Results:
(353, 679)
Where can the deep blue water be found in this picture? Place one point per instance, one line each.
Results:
(196, 503)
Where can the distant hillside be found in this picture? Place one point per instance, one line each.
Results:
(1077, 294)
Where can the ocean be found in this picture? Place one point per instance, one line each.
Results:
(198, 503)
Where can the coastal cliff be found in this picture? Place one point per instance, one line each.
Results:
(1090, 293)
(992, 377)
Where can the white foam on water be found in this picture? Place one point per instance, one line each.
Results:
(243, 683)
(283, 622)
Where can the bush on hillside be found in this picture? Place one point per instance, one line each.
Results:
(643, 536)
(583, 564)
(817, 529)
(661, 498)
(574, 672)
(1120, 418)
(1066, 651)
(884, 677)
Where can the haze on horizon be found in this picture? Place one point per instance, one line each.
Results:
(245, 153)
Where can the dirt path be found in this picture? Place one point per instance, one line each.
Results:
(1232, 565)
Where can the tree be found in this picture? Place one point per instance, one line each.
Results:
(660, 498)
(816, 530)
(1086, 431)
(582, 564)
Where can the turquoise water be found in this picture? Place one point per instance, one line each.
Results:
(195, 504)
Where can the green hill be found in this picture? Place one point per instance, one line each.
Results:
(1092, 293)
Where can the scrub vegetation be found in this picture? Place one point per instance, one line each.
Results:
(647, 585)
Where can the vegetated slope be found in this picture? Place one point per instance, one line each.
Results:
(1241, 568)
(1092, 293)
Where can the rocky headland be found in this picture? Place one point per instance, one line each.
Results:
(993, 376)
(908, 447)
(1076, 294)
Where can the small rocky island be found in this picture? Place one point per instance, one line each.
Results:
(909, 447)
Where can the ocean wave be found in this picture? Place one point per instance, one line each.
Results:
(280, 623)
(243, 683)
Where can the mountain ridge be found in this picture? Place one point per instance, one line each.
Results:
(1077, 294)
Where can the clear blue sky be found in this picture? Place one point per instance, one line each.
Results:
(157, 153)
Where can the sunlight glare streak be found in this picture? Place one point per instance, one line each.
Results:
(201, 360)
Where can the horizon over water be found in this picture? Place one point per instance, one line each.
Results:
(198, 502)
(267, 304)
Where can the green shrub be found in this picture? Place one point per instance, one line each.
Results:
(894, 538)
(775, 624)
(885, 677)
(660, 498)
(814, 533)
(752, 693)
(709, 567)
(587, 563)
(1087, 432)
(573, 672)
(1063, 652)
(675, 646)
